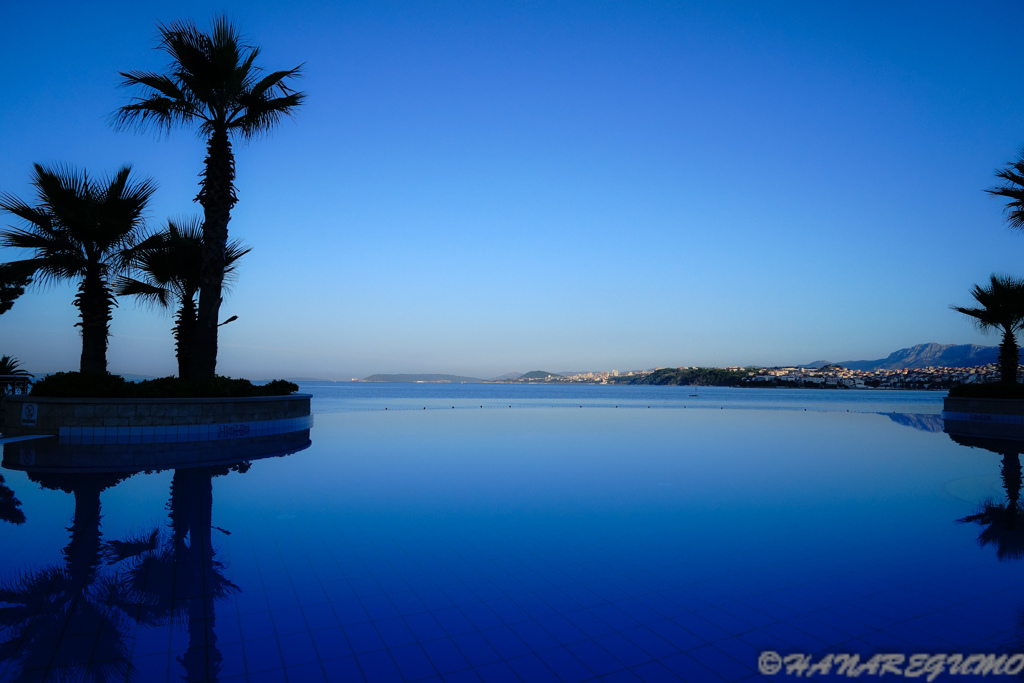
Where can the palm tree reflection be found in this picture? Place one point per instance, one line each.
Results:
(59, 623)
(1001, 520)
(174, 580)
(10, 507)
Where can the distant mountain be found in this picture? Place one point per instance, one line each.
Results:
(538, 374)
(508, 376)
(923, 356)
(454, 379)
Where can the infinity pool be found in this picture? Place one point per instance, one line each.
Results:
(542, 541)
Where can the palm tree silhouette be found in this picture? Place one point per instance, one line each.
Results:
(78, 231)
(212, 81)
(170, 266)
(1001, 308)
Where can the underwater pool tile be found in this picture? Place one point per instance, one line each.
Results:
(622, 649)
(563, 630)
(499, 672)
(506, 643)
(534, 635)
(623, 676)
(445, 656)
(331, 643)
(424, 627)
(566, 665)
(407, 603)
(596, 658)
(297, 648)
(232, 660)
(350, 611)
(363, 638)
(288, 621)
(413, 663)
(394, 632)
(722, 664)
(615, 617)
(475, 648)
(684, 666)
(307, 673)
(261, 655)
(379, 667)
(532, 668)
(379, 608)
(650, 642)
(257, 625)
(784, 635)
(342, 669)
(453, 621)
(702, 628)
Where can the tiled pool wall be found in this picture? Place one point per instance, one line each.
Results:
(53, 454)
(92, 416)
(182, 433)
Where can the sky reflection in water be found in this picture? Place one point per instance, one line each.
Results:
(532, 543)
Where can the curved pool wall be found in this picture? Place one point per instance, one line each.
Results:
(144, 420)
(999, 418)
(49, 454)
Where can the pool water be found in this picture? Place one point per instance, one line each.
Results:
(541, 541)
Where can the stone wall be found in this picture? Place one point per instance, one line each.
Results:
(47, 415)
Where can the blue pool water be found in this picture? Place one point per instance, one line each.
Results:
(434, 533)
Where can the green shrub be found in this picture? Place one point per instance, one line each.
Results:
(995, 390)
(79, 385)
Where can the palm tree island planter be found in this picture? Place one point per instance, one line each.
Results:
(154, 420)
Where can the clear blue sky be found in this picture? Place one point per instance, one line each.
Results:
(482, 187)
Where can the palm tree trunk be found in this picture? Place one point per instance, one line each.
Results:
(184, 336)
(94, 302)
(217, 195)
(1009, 358)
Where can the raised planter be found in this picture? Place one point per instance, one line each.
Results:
(80, 417)
(1000, 418)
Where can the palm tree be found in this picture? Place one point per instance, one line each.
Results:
(1001, 308)
(12, 285)
(169, 262)
(1013, 189)
(212, 81)
(79, 231)
(12, 376)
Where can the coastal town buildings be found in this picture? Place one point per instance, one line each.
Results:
(828, 377)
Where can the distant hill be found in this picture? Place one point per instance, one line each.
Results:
(538, 374)
(507, 376)
(454, 379)
(922, 356)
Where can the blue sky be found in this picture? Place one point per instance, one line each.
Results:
(482, 187)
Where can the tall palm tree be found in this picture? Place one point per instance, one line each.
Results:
(170, 266)
(1001, 308)
(213, 82)
(78, 231)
